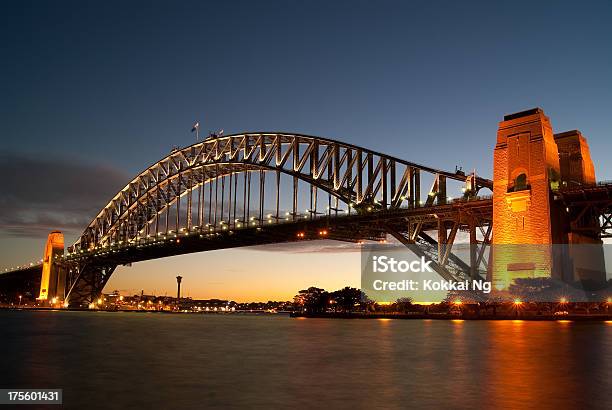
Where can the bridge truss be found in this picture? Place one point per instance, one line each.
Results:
(255, 188)
(589, 208)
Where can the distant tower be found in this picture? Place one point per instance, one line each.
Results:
(52, 279)
(577, 169)
(178, 289)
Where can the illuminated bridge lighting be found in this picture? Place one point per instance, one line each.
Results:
(247, 180)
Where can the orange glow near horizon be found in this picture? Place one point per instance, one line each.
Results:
(255, 274)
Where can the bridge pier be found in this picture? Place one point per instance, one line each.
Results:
(86, 283)
(53, 278)
(531, 165)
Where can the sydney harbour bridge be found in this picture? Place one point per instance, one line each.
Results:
(271, 187)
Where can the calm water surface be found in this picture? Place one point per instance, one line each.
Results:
(131, 360)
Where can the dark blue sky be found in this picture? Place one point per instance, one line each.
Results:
(114, 85)
(426, 81)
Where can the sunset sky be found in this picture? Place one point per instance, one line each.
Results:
(93, 92)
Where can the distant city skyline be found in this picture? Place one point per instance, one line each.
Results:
(95, 92)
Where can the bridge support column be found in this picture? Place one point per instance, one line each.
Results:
(528, 221)
(52, 282)
(88, 284)
(525, 172)
(473, 250)
(577, 170)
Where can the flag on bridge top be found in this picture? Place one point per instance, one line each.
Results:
(196, 126)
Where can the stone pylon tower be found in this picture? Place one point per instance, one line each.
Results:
(525, 172)
(531, 163)
(574, 159)
(585, 260)
(52, 282)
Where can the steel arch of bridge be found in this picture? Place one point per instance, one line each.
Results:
(353, 175)
(169, 197)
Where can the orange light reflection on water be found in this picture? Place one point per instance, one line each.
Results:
(517, 365)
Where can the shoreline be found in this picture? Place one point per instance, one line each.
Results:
(402, 316)
(50, 309)
(355, 315)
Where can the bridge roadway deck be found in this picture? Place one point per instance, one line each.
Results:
(369, 226)
(353, 228)
(600, 193)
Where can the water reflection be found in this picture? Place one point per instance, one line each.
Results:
(140, 360)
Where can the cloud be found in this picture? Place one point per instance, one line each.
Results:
(46, 193)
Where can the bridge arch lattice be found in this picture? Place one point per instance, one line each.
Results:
(218, 186)
(361, 179)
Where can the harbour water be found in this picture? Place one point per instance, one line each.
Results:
(105, 360)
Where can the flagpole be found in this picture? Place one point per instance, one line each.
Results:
(196, 127)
